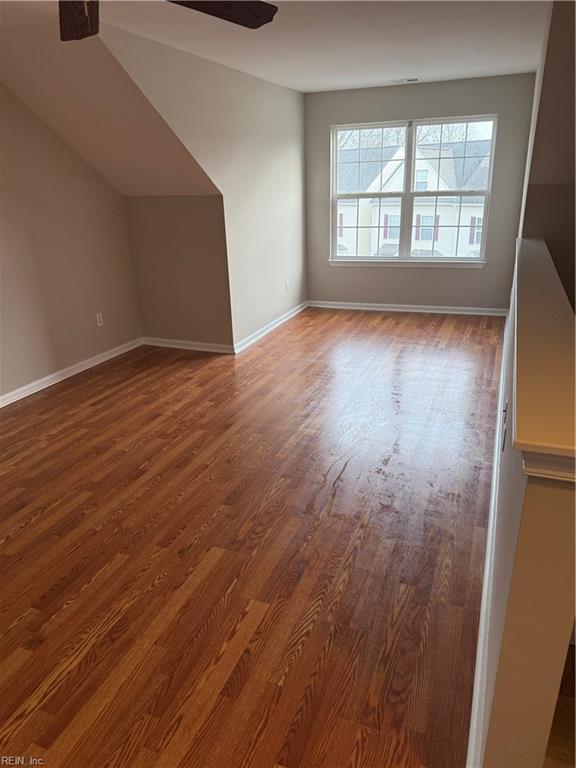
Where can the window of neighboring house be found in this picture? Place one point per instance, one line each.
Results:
(475, 230)
(421, 179)
(427, 227)
(390, 226)
(412, 191)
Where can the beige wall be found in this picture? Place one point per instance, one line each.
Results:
(179, 254)
(248, 137)
(550, 196)
(509, 97)
(64, 254)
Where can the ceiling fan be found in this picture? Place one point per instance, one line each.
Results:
(80, 18)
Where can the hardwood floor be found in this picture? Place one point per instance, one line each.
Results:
(271, 561)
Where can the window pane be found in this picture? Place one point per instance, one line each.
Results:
(428, 137)
(476, 171)
(463, 150)
(347, 213)
(393, 143)
(427, 227)
(480, 130)
(348, 174)
(451, 173)
(370, 159)
(390, 217)
(471, 226)
(367, 228)
(371, 144)
(420, 248)
(370, 177)
(448, 211)
(385, 177)
(445, 242)
(367, 242)
(346, 243)
(445, 227)
(479, 229)
(453, 134)
(368, 209)
(348, 146)
(423, 206)
(392, 176)
(388, 249)
(466, 249)
(426, 175)
(478, 148)
(464, 173)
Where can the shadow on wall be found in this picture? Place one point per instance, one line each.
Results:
(178, 247)
(550, 196)
(104, 209)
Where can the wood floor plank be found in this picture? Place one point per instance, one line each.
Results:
(268, 560)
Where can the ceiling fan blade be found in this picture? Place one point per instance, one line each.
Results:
(78, 19)
(251, 15)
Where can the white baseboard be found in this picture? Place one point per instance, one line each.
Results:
(194, 346)
(257, 335)
(408, 308)
(477, 732)
(228, 349)
(65, 373)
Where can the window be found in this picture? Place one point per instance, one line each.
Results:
(391, 226)
(411, 191)
(421, 179)
(426, 227)
(475, 230)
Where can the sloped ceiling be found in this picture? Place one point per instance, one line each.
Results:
(80, 91)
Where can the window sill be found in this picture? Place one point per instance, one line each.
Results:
(412, 262)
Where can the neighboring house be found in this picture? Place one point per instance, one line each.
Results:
(440, 226)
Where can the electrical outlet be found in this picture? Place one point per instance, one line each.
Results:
(99, 319)
(286, 286)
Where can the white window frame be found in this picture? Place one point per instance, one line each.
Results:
(407, 196)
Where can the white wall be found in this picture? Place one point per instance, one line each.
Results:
(248, 137)
(64, 254)
(509, 97)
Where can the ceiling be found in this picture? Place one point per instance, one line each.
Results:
(327, 45)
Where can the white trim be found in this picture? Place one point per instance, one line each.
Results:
(66, 373)
(199, 346)
(549, 466)
(257, 335)
(194, 346)
(409, 308)
(414, 261)
(477, 731)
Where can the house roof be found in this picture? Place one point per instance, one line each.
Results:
(457, 170)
